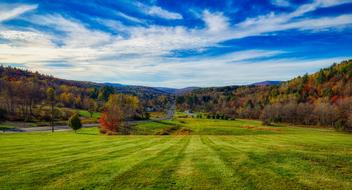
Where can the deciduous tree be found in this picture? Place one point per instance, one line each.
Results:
(118, 111)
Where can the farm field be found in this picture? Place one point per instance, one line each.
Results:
(197, 154)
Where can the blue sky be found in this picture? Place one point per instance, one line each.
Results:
(175, 43)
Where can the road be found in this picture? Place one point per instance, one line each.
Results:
(169, 115)
(45, 129)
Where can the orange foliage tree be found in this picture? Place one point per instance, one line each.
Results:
(119, 109)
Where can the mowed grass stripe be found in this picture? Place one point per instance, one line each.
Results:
(47, 170)
(201, 168)
(252, 174)
(287, 166)
(102, 174)
(58, 155)
(155, 172)
(62, 148)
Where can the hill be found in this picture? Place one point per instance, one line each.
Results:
(177, 91)
(23, 95)
(321, 98)
(266, 83)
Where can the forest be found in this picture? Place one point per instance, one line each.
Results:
(323, 98)
(28, 96)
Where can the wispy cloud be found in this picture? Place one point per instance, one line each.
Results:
(130, 18)
(8, 11)
(159, 12)
(281, 3)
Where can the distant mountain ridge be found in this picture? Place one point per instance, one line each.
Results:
(176, 90)
(113, 84)
(266, 83)
(190, 89)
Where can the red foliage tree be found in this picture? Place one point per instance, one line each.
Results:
(119, 109)
(110, 121)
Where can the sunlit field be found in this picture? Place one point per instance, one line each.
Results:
(192, 154)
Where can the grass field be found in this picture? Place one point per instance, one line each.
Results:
(86, 114)
(218, 154)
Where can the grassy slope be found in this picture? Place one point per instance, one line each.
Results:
(86, 114)
(252, 157)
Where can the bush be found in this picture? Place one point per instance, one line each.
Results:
(266, 122)
(168, 131)
(75, 122)
(184, 131)
(2, 114)
(349, 124)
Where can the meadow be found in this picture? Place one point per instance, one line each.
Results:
(194, 154)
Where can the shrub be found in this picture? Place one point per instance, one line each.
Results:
(75, 122)
(266, 122)
(2, 114)
(168, 130)
(184, 131)
(349, 124)
(182, 121)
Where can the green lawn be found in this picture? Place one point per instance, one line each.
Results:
(239, 154)
(86, 114)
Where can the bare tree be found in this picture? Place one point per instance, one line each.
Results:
(325, 114)
(51, 99)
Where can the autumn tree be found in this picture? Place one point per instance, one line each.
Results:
(325, 114)
(119, 110)
(304, 113)
(271, 113)
(90, 105)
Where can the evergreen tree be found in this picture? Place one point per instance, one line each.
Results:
(75, 122)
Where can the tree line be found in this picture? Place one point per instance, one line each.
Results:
(322, 98)
(31, 96)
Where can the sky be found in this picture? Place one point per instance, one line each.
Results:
(175, 43)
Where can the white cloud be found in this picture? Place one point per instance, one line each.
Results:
(75, 34)
(144, 53)
(327, 3)
(159, 12)
(281, 3)
(130, 18)
(8, 12)
(215, 21)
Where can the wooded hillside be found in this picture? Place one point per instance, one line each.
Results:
(23, 95)
(322, 98)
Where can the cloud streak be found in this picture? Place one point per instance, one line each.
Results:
(159, 12)
(8, 11)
